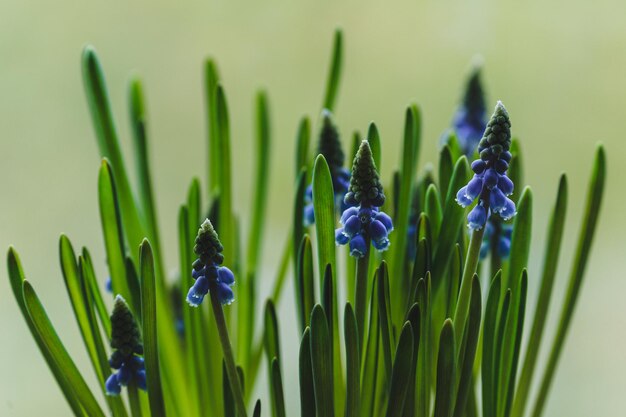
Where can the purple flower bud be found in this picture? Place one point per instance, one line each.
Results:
(225, 275)
(491, 178)
(478, 166)
(462, 198)
(505, 184)
(352, 211)
(340, 237)
(477, 218)
(352, 226)
(385, 219)
(377, 231)
(474, 187)
(112, 385)
(497, 200)
(224, 293)
(509, 209)
(358, 248)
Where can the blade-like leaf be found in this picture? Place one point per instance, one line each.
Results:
(353, 363)
(59, 356)
(402, 371)
(322, 363)
(307, 390)
(583, 250)
(334, 72)
(446, 370)
(150, 337)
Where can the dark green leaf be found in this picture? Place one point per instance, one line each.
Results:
(60, 359)
(278, 398)
(322, 363)
(353, 363)
(402, 371)
(334, 72)
(446, 370)
(307, 390)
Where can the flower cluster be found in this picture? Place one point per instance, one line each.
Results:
(207, 272)
(329, 146)
(470, 118)
(498, 236)
(363, 221)
(126, 358)
(490, 185)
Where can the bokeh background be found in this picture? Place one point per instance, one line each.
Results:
(558, 66)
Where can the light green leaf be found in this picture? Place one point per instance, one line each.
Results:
(334, 72)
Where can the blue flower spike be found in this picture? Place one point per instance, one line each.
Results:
(207, 272)
(490, 185)
(362, 221)
(471, 116)
(128, 350)
(329, 145)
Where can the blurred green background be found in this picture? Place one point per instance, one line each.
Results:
(558, 66)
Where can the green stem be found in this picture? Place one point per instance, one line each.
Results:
(229, 359)
(360, 305)
(471, 263)
(133, 399)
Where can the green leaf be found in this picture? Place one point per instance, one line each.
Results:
(489, 334)
(424, 361)
(373, 137)
(226, 228)
(303, 137)
(324, 207)
(305, 287)
(95, 292)
(261, 177)
(384, 315)
(211, 79)
(412, 138)
(433, 210)
(451, 223)
(369, 369)
(551, 257)
(257, 409)
(111, 219)
(74, 285)
(271, 333)
(108, 143)
(414, 317)
(150, 336)
(468, 352)
(60, 359)
(146, 195)
(353, 363)
(278, 398)
(298, 217)
(16, 278)
(499, 341)
(322, 363)
(307, 390)
(446, 165)
(513, 342)
(334, 72)
(583, 250)
(402, 371)
(520, 241)
(515, 169)
(446, 370)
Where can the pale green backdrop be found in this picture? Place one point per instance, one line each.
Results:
(558, 66)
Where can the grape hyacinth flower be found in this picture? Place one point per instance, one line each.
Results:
(126, 358)
(207, 272)
(498, 236)
(329, 146)
(363, 221)
(490, 184)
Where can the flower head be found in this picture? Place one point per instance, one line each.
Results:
(329, 145)
(126, 357)
(207, 272)
(470, 118)
(363, 221)
(497, 236)
(490, 185)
